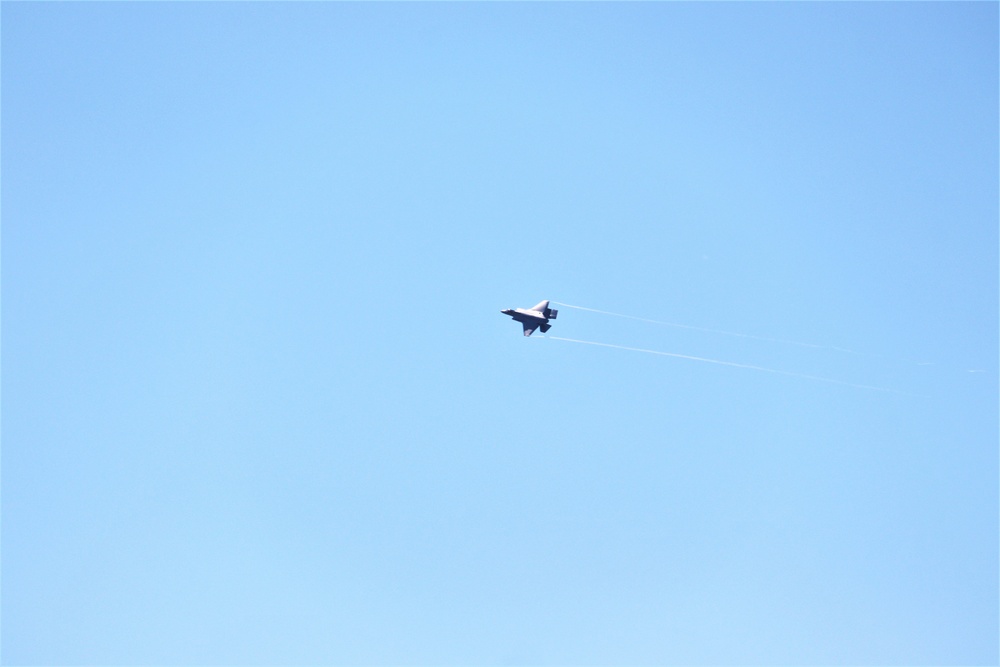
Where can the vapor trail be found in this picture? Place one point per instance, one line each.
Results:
(725, 363)
(715, 331)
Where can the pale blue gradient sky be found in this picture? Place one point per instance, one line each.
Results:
(260, 407)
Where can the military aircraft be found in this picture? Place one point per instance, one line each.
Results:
(536, 317)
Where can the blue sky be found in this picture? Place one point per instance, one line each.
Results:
(260, 406)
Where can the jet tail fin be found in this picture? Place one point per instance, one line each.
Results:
(545, 327)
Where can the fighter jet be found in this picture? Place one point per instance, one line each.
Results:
(536, 317)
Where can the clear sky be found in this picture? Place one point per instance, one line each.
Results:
(260, 405)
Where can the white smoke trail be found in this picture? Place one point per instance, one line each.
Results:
(715, 331)
(726, 363)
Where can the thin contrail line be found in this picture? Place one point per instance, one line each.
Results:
(726, 363)
(715, 331)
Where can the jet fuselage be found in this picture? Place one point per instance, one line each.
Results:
(523, 315)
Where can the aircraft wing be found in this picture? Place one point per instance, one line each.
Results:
(541, 306)
(529, 327)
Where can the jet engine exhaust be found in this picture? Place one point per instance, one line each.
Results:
(715, 331)
(725, 363)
